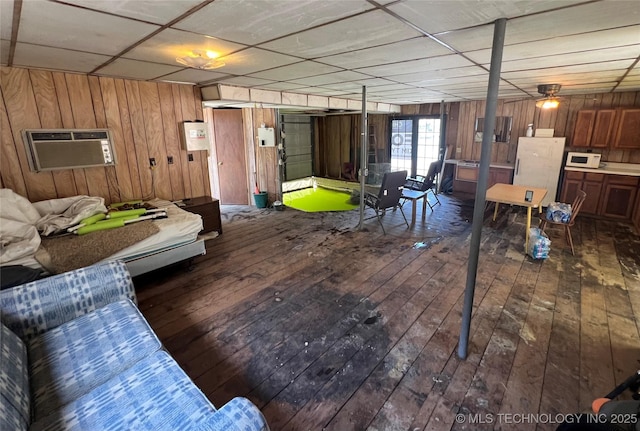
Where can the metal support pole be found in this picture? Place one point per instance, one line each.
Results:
(442, 147)
(483, 177)
(364, 170)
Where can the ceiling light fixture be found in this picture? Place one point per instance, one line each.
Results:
(549, 91)
(201, 59)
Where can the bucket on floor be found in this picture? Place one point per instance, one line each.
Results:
(261, 199)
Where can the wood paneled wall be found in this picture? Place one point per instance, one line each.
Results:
(143, 117)
(338, 142)
(524, 112)
(262, 162)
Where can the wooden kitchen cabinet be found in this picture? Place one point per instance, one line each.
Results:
(500, 175)
(583, 129)
(627, 134)
(603, 128)
(594, 128)
(466, 179)
(590, 183)
(619, 196)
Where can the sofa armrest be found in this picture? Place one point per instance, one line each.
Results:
(239, 414)
(35, 307)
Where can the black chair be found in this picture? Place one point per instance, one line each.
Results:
(388, 196)
(428, 183)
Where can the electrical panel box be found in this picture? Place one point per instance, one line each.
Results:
(194, 136)
(266, 137)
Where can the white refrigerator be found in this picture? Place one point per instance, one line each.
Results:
(538, 164)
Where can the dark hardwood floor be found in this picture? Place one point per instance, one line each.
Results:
(325, 327)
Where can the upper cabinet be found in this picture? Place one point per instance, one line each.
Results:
(607, 128)
(584, 128)
(594, 128)
(628, 129)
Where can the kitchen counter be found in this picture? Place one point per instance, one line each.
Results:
(476, 163)
(611, 168)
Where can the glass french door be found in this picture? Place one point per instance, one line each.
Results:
(415, 143)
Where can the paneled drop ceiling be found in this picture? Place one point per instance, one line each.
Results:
(404, 51)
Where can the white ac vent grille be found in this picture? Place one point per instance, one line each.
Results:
(68, 149)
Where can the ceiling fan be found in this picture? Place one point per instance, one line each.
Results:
(550, 100)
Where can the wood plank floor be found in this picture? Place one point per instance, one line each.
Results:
(327, 327)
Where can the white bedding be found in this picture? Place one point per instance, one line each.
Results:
(19, 243)
(180, 227)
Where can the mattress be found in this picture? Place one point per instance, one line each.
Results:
(179, 228)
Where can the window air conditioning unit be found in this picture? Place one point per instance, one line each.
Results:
(49, 150)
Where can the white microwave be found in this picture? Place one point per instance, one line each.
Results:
(583, 160)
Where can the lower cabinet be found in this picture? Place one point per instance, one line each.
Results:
(619, 196)
(612, 196)
(590, 183)
(500, 175)
(466, 178)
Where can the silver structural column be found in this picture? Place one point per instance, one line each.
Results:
(442, 147)
(364, 171)
(483, 176)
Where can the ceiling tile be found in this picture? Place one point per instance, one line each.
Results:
(601, 56)
(287, 86)
(561, 71)
(405, 50)
(358, 32)
(255, 21)
(135, 69)
(165, 46)
(469, 74)
(571, 78)
(452, 15)
(28, 55)
(155, 11)
(331, 78)
(569, 44)
(64, 26)
(245, 81)
(255, 59)
(558, 64)
(357, 85)
(579, 19)
(418, 66)
(6, 19)
(295, 71)
(195, 76)
(588, 88)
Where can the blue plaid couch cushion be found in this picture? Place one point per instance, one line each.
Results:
(36, 307)
(71, 360)
(14, 382)
(154, 394)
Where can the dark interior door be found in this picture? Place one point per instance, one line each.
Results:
(232, 164)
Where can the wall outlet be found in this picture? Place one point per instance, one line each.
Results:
(152, 162)
(458, 149)
(170, 160)
(190, 157)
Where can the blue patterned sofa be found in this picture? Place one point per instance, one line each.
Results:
(76, 354)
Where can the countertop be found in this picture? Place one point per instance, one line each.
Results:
(611, 168)
(477, 163)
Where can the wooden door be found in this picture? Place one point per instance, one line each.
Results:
(231, 156)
